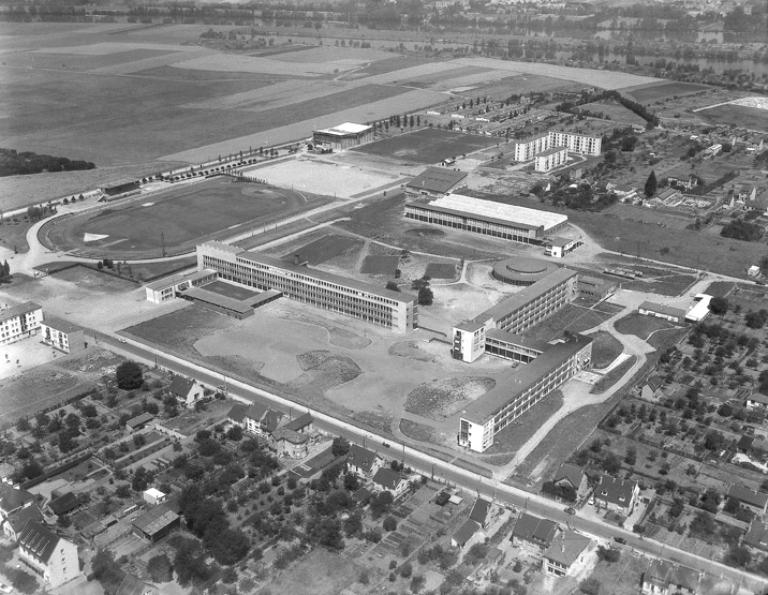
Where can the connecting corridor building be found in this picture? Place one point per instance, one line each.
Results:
(390, 309)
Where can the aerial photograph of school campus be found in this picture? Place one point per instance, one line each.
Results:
(384, 296)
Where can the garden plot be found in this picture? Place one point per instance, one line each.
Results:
(442, 398)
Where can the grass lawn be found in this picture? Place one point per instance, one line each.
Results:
(229, 290)
(737, 115)
(614, 375)
(671, 284)
(654, 92)
(573, 318)
(622, 577)
(319, 572)
(440, 270)
(326, 248)
(640, 326)
(416, 431)
(380, 264)
(605, 349)
(720, 288)
(14, 235)
(428, 145)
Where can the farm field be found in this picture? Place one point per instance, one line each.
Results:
(428, 145)
(614, 111)
(742, 116)
(175, 220)
(654, 92)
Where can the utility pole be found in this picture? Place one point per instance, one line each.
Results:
(162, 241)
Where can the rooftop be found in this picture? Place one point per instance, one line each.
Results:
(361, 458)
(526, 295)
(346, 128)
(747, 496)
(662, 309)
(38, 540)
(505, 213)
(323, 276)
(531, 528)
(224, 301)
(180, 386)
(63, 504)
(18, 310)
(12, 498)
(519, 379)
(155, 519)
(180, 277)
(551, 151)
(573, 473)
(63, 326)
(154, 493)
(289, 435)
(480, 511)
(521, 340)
(567, 547)
(757, 536)
(615, 491)
(669, 573)
(238, 411)
(139, 420)
(299, 423)
(387, 478)
(465, 532)
(437, 179)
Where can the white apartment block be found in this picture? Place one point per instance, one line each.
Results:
(19, 322)
(526, 150)
(551, 159)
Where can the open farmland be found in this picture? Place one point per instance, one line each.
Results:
(741, 116)
(175, 220)
(428, 145)
(663, 90)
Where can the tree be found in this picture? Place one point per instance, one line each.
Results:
(718, 305)
(390, 523)
(160, 569)
(22, 582)
(235, 433)
(393, 286)
(651, 185)
(129, 375)
(425, 296)
(107, 571)
(590, 586)
(380, 503)
(738, 556)
(340, 447)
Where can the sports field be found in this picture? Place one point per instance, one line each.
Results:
(175, 220)
(429, 145)
(742, 116)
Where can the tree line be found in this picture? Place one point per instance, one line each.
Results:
(13, 163)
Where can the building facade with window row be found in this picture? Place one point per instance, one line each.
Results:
(20, 321)
(381, 307)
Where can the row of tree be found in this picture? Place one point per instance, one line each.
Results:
(13, 163)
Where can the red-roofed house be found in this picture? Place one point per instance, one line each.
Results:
(48, 555)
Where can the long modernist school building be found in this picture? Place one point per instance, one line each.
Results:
(486, 217)
(382, 307)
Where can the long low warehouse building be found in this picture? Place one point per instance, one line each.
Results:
(486, 217)
(379, 306)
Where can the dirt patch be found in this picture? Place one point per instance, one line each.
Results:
(380, 264)
(90, 361)
(410, 349)
(87, 278)
(377, 421)
(323, 370)
(441, 398)
(417, 431)
(441, 270)
(326, 248)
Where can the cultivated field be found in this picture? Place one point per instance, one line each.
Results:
(663, 90)
(741, 116)
(175, 220)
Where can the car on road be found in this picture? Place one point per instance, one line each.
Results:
(570, 510)
(620, 540)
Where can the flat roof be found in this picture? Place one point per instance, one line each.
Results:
(437, 179)
(662, 309)
(60, 325)
(515, 339)
(345, 128)
(18, 310)
(526, 295)
(212, 297)
(155, 519)
(519, 379)
(551, 151)
(179, 277)
(323, 276)
(533, 218)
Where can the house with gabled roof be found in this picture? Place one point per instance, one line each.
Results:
(668, 578)
(48, 555)
(755, 501)
(63, 504)
(290, 443)
(12, 500)
(480, 511)
(270, 421)
(532, 530)
(464, 533)
(138, 422)
(566, 551)
(387, 479)
(187, 391)
(757, 535)
(301, 424)
(363, 462)
(572, 476)
(15, 523)
(434, 182)
(618, 495)
(756, 401)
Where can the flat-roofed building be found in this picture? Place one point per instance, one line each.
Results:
(528, 149)
(62, 335)
(550, 159)
(156, 523)
(487, 217)
(668, 313)
(20, 321)
(167, 288)
(520, 389)
(434, 182)
(343, 136)
(378, 306)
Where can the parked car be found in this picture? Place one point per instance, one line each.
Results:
(620, 540)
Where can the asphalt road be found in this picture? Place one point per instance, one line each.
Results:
(434, 467)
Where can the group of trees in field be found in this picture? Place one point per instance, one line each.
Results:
(738, 229)
(13, 163)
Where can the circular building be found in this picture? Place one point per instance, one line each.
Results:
(522, 271)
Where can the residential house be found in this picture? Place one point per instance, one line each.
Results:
(618, 495)
(12, 500)
(363, 462)
(49, 556)
(270, 421)
(566, 551)
(757, 502)
(62, 335)
(669, 578)
(387, 479)
(756, 401)
(757, 535)
(236, 415)
(186, 390)
(260, 420)
(572, 476)
(464, 533)
(480, 511)
(15, 523)
(301, 424)
(533, 531)
(290, 443)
